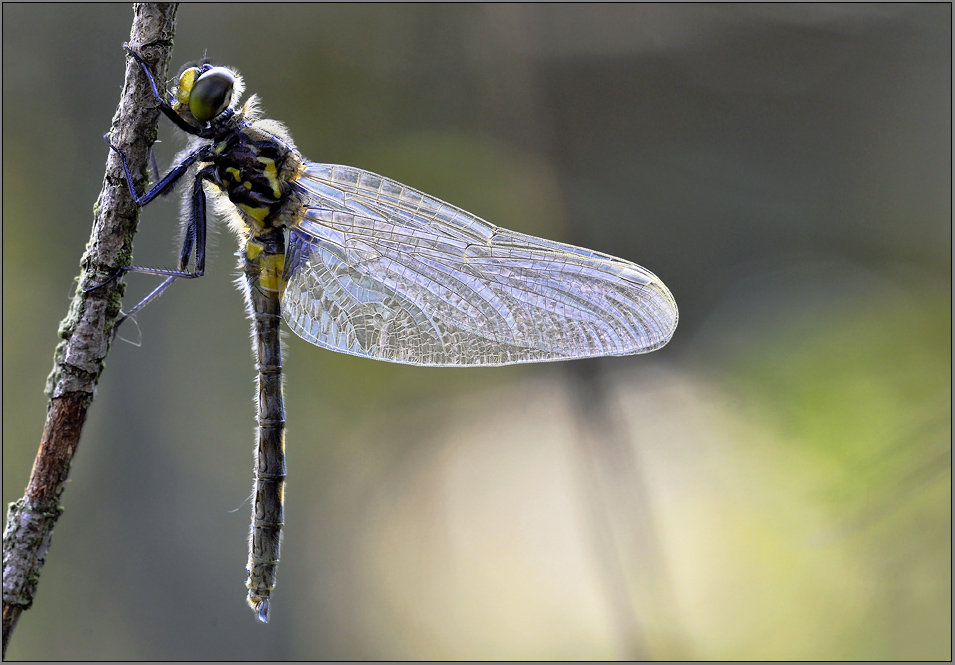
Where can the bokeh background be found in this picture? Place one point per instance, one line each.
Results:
(774, 484)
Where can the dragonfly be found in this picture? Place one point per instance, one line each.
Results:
(358, 263)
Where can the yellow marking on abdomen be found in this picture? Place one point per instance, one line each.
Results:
(270, 279)
(258, 214)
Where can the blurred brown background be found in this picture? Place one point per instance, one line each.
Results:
(774, 484)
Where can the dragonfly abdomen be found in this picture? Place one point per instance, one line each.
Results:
(263, 263)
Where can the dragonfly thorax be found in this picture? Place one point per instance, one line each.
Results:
(253, 171)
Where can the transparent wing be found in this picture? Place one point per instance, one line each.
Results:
(382, 270)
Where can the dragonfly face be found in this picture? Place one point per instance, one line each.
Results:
(361, 264)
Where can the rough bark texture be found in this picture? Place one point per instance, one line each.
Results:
(86, 332)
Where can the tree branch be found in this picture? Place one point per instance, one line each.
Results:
(86, 332)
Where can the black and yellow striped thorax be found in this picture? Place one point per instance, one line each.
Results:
(253, 175)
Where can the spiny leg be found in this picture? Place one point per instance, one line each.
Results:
(168, 181)
(195, 228)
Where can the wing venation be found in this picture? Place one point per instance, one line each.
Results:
(382, 270)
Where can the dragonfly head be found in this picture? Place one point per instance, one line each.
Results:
(205, 92)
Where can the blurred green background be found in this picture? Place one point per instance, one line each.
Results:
(774, 484)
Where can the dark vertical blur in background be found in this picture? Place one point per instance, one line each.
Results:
(774, 484)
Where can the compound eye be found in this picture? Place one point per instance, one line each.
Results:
(211, 93)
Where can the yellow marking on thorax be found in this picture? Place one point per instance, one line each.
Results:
(271, 172)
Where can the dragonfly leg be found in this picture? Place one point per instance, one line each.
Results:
(153, 164)
(195, 227)
(111, 278)
(149, 76)
(155, 293)
(196, 224)
(164, 272)
(195, 234)
(170, 275)
(164, 105)
(167, 182)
